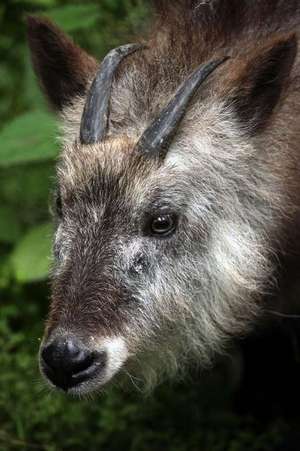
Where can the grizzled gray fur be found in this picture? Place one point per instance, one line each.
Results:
(163, 257)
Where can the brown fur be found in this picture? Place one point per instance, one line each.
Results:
(188, 33)
(61, 78)
(232, 173)
(185, 34)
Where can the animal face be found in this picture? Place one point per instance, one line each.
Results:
(151, 261)
(162, 250)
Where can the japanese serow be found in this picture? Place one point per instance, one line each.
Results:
(178, 189)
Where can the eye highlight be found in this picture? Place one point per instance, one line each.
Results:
(163, 225)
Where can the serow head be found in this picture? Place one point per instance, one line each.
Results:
(159, 251)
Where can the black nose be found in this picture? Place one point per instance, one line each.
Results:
(67, 363)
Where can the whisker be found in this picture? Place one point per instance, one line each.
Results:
(133, 380)
(283, 315)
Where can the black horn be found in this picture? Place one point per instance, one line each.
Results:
(94, 119)
(157, 136)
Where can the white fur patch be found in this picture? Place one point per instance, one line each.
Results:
(117, 353)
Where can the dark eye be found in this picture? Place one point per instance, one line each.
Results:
(163, 225)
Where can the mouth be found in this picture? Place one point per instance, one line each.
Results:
(72, 368)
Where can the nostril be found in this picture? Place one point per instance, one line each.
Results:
(83, 361)
(68, 356)
(67, 363)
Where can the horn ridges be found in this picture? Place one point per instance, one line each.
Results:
(157, 136)
(94, 118)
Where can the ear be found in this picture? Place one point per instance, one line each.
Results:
(262, 82)
(62, 68)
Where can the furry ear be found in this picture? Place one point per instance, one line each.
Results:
(262, 81)
(62, 68)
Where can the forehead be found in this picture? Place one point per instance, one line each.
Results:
(107, 170)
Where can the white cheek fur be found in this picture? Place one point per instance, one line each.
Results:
(117, 353)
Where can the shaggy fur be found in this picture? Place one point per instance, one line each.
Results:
(231, 175)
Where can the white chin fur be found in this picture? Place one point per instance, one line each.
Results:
(117, 353)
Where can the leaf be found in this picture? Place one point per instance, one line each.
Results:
(38, 3)
(29, 137)
(75, 17)
(9, 226)
(27, 191)
(31, 257)
(32, 94)
(5, 272)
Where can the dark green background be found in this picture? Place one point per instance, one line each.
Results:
(194, 416)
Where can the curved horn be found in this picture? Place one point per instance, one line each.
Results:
(157, 136)
(94, 118)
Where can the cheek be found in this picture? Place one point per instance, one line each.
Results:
(117, 354)
(137, 256)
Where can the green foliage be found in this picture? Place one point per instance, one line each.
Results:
(191, 417)
(31, 256)
(75, 17)
(9, 227)
(28, 138)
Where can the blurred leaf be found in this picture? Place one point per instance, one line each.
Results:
(30, 259)
(5, 272)
(33, 95)
(9, 226)
(39, 3)
(30, 137)
(27, 192)
(75, 17)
